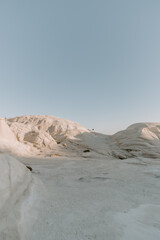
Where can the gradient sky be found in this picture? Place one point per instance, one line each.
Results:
(96, 62)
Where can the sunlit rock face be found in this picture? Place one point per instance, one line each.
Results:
(53, 136)
(6, 133)
(58, 128)
(140, 139)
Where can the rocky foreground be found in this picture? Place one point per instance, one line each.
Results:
(66, 182)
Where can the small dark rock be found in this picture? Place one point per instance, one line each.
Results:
(81, 179)
(121, 157)
(29, 168)
(86, 151)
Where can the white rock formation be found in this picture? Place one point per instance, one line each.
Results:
(47, 135)
(58, 128)
(20, 199)
(140, 139)
(6, 135)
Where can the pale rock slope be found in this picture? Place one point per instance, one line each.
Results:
(46, 134)
(140, 139)
(49, 136)
(59, 129)
(6, 135)
(20, 199)
(9, 142)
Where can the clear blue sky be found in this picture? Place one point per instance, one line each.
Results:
(96, 62)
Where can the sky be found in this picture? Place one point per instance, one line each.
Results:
(96, 62)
